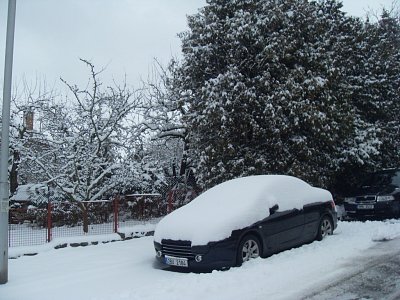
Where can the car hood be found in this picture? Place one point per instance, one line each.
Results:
(234, 205)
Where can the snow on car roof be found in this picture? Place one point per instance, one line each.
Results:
(236, 204)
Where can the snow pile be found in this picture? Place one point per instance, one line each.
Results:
(139, 230)
(387, 232)
(236, 204)
(15, 252)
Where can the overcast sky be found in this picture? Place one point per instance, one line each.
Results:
(122, 35)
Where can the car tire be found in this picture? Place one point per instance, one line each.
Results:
(249, 248)
(325, 228)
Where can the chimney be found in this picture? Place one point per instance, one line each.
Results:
(28, 120)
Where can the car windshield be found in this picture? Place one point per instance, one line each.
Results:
(383, 178)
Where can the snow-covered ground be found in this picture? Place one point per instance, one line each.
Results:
(127, 270)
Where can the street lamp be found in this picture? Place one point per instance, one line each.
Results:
(4, 154)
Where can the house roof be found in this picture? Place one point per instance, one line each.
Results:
(28, 192)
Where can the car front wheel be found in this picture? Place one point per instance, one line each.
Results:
(249, 248)
(325, 228)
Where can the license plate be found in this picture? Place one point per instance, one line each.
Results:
(176, 261)
(365, 206)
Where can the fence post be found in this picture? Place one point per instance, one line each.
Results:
(49, 223)
(170, 195)
(116, 210)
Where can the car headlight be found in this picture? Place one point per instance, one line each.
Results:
(350, 199)
(384, 198)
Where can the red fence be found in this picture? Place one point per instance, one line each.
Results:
(29, 225)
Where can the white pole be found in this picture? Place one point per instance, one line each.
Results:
(4, 154)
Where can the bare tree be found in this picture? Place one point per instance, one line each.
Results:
(84, 143)
(164, 119)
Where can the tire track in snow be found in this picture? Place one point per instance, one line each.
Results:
(376, 275)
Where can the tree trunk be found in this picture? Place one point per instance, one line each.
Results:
(14, 172)
(85, 218)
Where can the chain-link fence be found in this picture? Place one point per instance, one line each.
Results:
(34, 225)
(30, 225)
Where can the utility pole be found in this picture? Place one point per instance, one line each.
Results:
(5, 141)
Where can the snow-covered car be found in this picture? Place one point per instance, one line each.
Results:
(377, 197)
(244, 218)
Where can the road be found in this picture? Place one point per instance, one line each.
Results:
(348, 265)
(374, 276)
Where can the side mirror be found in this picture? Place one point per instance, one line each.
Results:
(273, 209)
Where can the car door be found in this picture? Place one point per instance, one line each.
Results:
(282, 229)
(312, 217)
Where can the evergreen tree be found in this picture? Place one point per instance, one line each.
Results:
(382, 85)
(265, 85)
(373, 80)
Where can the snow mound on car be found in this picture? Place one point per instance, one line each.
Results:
(236, 204)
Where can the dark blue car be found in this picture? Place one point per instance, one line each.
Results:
(377, 197)
(243, 219)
